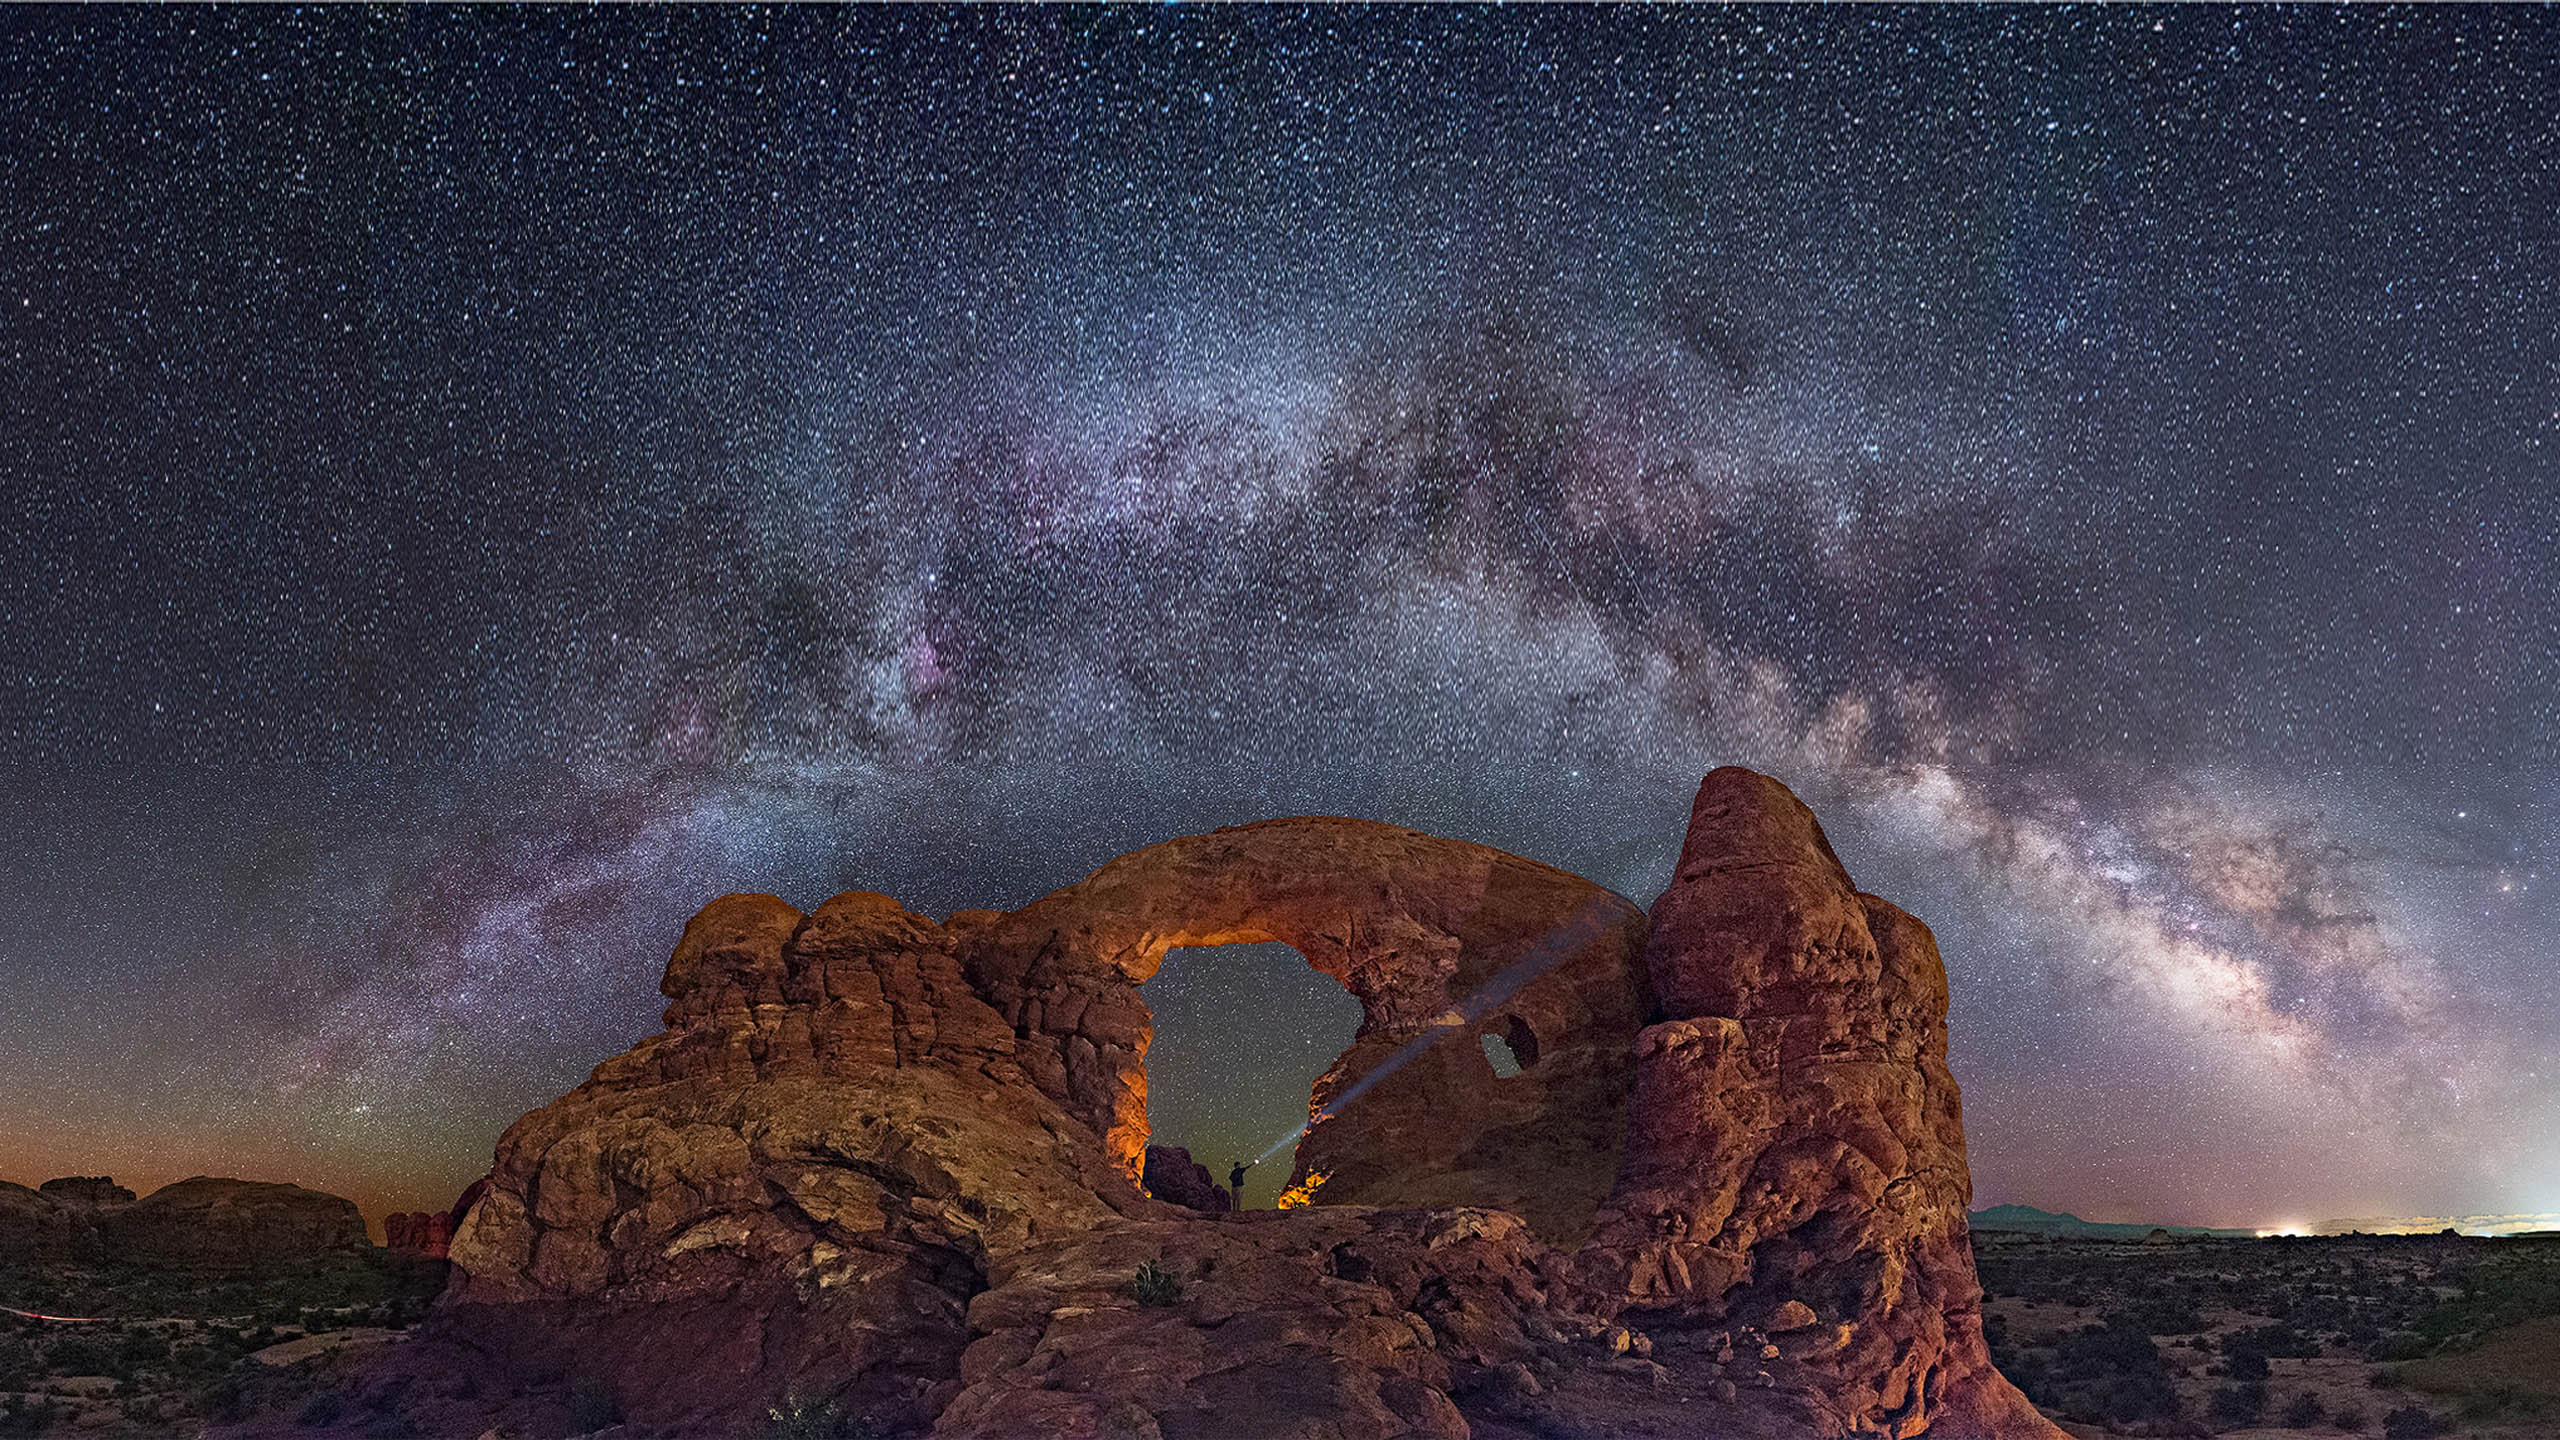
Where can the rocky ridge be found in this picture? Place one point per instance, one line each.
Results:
(204, 1223)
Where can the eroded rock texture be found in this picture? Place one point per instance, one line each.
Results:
(891, 1165)
(1411, 925)
(798, 1186)
(1795, 1142)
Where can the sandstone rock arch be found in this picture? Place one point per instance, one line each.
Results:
(1412, 925)
(891, 1163)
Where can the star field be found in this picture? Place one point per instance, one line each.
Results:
(475, 486)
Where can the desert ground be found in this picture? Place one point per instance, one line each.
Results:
(2248, 1339)
(171, 1350)
(2399, 1336)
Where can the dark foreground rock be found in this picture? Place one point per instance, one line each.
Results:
(1173, 1176)
(884, 1168)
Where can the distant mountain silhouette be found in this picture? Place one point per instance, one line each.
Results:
(2030, 1220)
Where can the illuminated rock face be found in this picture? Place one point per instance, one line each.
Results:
(892, 1164)
(795, 1189)
(1411, 925)
(1795, 1145)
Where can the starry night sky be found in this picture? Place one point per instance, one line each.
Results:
(475, 486)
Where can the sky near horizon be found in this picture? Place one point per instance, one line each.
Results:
(477, 486)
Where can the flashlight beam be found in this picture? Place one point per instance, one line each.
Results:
(1578, 929)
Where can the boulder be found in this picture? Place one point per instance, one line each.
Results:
(1172, 1175)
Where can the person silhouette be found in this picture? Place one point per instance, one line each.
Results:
(1235, 1181)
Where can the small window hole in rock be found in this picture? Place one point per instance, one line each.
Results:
(1512, 1048)
(1242, 1034)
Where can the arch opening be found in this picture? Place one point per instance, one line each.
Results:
(1510, 1046)
(1241, 1035)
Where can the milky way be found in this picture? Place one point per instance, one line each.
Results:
(479, 486)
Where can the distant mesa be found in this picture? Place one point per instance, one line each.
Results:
(884, 1173)
(199, 1224)
(2028, 1220)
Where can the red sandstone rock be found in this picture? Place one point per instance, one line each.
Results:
(1173, 1176)
(890, 1165)
(469, 1197)
(429, 1233)
(1340, 1322)
(1411, 924)
(796, 1188)
(424, 1233)
(1795, 1142)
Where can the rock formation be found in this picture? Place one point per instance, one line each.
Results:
(1410, 924)
(35, 1228)
(86, 1192)
(198, 1224)
(1173, 1176)
(796, 1188)
(893, 1167)
(58, 1221)
(234, 1224)
(428, 1233)
(1795, 1140)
